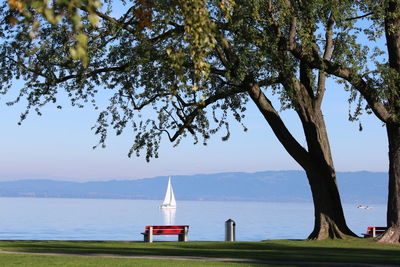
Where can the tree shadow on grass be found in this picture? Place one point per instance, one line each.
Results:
(304, 251)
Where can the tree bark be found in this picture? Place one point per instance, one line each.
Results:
(317, 163)
(329, 217)
(392, 235)
(392, 32)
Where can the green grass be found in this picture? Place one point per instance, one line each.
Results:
(10, 260)
(348, 251)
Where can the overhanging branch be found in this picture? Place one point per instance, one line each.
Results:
(348, 74)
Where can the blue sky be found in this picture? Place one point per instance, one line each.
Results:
(58, 145)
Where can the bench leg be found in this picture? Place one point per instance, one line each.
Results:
(183, 237)
(148, 237)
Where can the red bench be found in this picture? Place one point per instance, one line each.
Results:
(180, 230)
(374, 231)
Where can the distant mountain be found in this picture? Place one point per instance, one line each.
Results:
(278, 186)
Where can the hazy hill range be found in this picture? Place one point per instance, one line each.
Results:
(361, 187)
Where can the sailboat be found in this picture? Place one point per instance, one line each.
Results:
(169, 200)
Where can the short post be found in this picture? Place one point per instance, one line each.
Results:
(230, 234)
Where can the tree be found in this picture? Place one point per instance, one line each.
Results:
(375, 75)
(191, 59)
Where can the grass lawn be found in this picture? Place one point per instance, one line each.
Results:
(10, 260)
(346, 251)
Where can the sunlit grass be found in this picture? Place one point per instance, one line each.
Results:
(355, 250)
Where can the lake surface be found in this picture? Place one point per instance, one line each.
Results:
(115, 219)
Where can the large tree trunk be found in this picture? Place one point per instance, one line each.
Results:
(329, 217)
(392, 31)
(392, 235)
(317, 162)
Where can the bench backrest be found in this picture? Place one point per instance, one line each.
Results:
(167, 229)
(377, 229)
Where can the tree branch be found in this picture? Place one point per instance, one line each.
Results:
(291, 145)
(145, 102)
(360, 17)
(37, 72)
(165, 35)
(192, 115)
(327, 56)
(292, 33)
(92, 73)
(269, 81)
(111, 19)
(348, 74)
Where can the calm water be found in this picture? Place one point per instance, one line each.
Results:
(112, 219)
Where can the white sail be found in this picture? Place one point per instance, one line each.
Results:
(172, 196)
(169, 200)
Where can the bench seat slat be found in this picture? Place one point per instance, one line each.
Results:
(171, 232)
(377, 228)
(162, 234)
(166, 226)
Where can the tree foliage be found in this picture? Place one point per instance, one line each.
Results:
(359, 57)
(155, 55)
(31, 12)
(182, 58)
(188, 66)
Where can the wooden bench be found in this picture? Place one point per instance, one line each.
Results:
(374, 231)
(180, 230)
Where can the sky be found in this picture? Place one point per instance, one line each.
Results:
(59, 145)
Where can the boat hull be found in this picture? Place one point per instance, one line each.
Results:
(167, 207)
